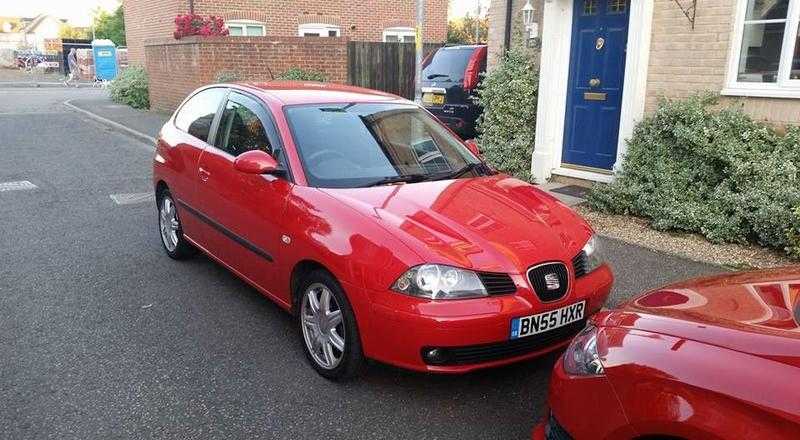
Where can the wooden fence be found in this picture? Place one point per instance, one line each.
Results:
(384, 66)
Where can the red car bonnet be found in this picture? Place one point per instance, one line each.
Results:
(752, 312)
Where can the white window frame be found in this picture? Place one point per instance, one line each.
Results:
(784, 87)
(321, 29)
(243, 24)
(400, 33)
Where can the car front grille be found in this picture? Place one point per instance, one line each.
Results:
(554, 431)
(579, 264)
(475, 354)
(497, 283)
(550, 281)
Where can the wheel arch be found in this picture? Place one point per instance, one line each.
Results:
(300, 270)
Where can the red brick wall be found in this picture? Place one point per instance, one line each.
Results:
(146, 19)
(359, 20)
(176, 67)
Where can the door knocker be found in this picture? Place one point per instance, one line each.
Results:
(600, 43)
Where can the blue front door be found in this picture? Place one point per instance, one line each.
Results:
(596, 73)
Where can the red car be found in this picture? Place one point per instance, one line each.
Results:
(713, 358)
(386, 235)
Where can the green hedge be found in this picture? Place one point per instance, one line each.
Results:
(298, 74)
(694, 168)
(131, 88)
(507, 127)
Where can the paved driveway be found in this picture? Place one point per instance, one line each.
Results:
(103, 336)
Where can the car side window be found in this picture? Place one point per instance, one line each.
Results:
(242, 127)
(197, 114)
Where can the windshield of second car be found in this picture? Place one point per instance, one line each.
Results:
(447, 65)
(357, 145)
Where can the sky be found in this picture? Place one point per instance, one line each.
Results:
(79, 12)
(460, 8)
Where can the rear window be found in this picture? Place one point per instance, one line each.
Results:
(447, 65)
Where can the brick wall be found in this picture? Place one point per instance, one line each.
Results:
(497, 28)
(684, 61)
(359, 20)
(176, 67)
(147, 19)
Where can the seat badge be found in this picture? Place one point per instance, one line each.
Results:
(552, 282)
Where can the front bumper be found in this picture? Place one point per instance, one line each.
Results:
(401, 327)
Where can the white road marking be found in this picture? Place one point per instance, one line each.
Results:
(133, 198)
(16, 186)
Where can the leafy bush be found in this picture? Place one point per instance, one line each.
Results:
(507, 127)
(715, 172)
(794, 235)
(226, 76)
(298, 74)
(131, 88)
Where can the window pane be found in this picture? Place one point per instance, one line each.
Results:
(795, 73)
(235, 31)
(766, 9)
(409, 39)
(196, 115)
(448, 64)
(333, 33)
(241, 130)
(761, 52)
(392, 39)
(255, 31)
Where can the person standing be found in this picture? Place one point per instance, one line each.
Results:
(72, 63)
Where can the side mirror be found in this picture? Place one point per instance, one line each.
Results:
(472, 144)
(257, 162)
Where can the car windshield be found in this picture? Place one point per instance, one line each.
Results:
(447, 64)
(358, 145)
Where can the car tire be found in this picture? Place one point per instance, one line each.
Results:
(328, 330)
(170, 229)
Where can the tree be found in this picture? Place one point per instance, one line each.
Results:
(462, 30)
(110, 26)
(70, 32)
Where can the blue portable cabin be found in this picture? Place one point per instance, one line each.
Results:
(105, 59)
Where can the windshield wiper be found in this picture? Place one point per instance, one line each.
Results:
(408, 178)
(459, 172)
(438, 75)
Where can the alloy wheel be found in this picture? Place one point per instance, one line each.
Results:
(168, 223)
(323, 327)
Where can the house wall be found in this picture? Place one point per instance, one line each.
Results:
(684, 61)
(149, 19)
(497, 28)
(177, 67)
(360, 20)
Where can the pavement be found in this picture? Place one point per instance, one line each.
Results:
(103, 336)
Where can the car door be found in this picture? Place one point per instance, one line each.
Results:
(192, 124)
(245, 209)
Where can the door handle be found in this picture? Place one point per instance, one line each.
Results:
(204, 175)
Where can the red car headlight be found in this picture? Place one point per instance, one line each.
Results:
(581, 357)
(436, 281)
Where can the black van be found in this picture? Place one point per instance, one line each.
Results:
(449, 79)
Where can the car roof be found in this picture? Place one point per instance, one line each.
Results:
(311, 92)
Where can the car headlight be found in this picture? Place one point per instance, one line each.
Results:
(594, 257)
(436, 281)
(581, 358)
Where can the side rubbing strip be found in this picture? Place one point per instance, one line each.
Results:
(227, 232)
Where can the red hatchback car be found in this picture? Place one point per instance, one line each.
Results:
(713, 358)
(387, 236)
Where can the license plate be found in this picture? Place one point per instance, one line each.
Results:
(542, 322)
(432, 98)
